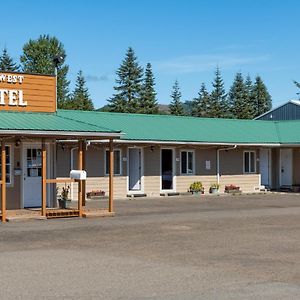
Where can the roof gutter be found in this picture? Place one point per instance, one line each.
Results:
(184, 143)
(61, 133)
(218, 160)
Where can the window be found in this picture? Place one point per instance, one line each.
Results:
(187, 162)
(117, 162)
(8, 165)
(249, 162)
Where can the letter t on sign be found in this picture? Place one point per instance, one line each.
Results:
(12, 96)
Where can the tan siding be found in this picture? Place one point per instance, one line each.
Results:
(248, 182)
(183, 182)
(231, 162)
(63, 162)
(101, 183)
(203, 155)
(152, 185)
(152, 161)
(94, 162)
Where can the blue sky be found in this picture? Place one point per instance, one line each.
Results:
(184, 40)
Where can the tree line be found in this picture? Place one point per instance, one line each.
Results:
(135, 86)
(136, 94)
(38, 57)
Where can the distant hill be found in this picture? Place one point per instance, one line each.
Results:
(163, 109)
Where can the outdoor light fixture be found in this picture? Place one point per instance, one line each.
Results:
(18, 143)
(152, 148)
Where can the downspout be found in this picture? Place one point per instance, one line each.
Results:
(218, 160)
(72, 167)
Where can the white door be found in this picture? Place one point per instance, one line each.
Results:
(135, 169)
(32, 175)
(265, 166)
(286, 169)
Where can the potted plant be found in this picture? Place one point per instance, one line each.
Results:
(197, 188)
(214, 188)
(63, 200)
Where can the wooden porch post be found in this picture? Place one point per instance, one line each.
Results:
(84, 168)
(3, 179)
(44, 177)
(80, 164)
(111, 176)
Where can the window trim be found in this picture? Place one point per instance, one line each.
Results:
(193, 162)
(11, 164)
(244, 162)
(121, 170)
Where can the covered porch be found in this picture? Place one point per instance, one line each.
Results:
(28, 165)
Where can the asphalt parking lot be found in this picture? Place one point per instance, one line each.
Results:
(226, 247)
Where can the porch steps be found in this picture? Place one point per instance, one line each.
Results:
(62, 213)
(169, 194)
(136, 195)
(286, 188)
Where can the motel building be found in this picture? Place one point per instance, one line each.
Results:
(128, 155)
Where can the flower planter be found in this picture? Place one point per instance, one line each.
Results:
(214, 190)
(64, 203)
(197, 193)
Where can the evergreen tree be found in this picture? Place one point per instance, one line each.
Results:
(148, 103)
(201, 104)
(218, 103)
(241, 107)
(261, 97)
(176, 107)
(7, 63)
(38, 58)
(298, 86)
(80, 99)
(250, 98)
(129, 85)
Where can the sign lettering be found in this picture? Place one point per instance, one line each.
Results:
(12, 97)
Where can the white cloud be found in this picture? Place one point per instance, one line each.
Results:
(205, 62)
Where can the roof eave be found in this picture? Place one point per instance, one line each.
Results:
(54, 133)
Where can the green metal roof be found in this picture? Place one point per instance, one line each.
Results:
(139, 127)
(168, 128)
(23, 121)
(288, 131)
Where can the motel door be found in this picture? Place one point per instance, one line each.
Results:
(135, 169)
(286, 166)
(32, 175)
(265, 166)
(167, 169)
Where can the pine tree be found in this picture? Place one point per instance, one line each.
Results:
(7, 63)
(129, 85)
(298, 86)
(148, 103)
(176, 107)
(261, 97)
(80, 99)
(250, 98)
(201, 104)
(38, 58)
(219, 106)
(240, 105)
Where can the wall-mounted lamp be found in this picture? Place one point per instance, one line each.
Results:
(18, 143)
(152, 148)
